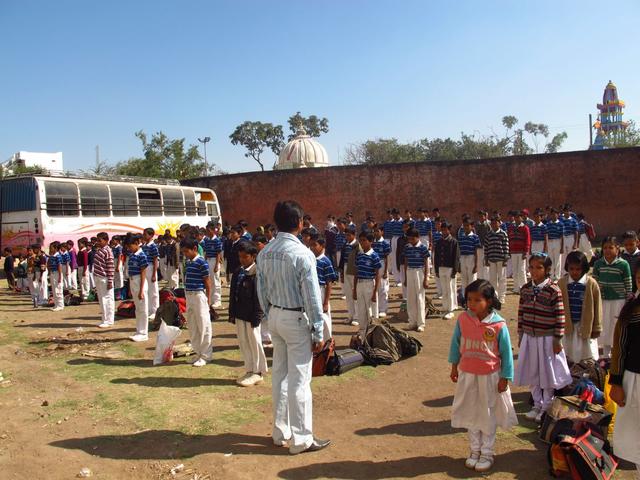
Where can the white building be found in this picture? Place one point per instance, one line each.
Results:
(302, 152)
(49, 161)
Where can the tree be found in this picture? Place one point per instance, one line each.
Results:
(313, 125)
(256, 137)
(21, 169)
(165, 158)
(627, 138)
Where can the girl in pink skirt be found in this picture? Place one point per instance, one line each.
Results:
(542, 363)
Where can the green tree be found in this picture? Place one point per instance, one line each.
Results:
(165, 158)
(256, 137)
(21, 169)
(313, 125)
(628, 138)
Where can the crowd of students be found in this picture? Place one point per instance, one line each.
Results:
(572, 300)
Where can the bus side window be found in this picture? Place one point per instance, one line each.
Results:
(150, 202)
(173, 202)
(62, 199)
(212, 210)
(94, 200)
(124, 201)
(190, 202)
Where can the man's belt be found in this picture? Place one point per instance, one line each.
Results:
(296, 309)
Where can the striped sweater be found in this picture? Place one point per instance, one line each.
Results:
(541, 310)
(103, 265)
(614, 278)
(496, 246)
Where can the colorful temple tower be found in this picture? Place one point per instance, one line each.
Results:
(609, 124)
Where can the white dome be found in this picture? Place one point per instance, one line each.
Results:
(302, 152)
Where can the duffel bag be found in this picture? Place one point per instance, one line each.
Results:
(126, 309)
(344, 360)
(321, 358)
(587, 457)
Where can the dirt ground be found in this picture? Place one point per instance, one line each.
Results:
(76, 397)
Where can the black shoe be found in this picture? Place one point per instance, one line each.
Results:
(315, 446)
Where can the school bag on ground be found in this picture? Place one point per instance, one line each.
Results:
(584, 456)
(321, 358)
(571, 412)
(344, 360)
(379, 337)
(409, 345)
(126, 309)
(430, 307)
(71, 300)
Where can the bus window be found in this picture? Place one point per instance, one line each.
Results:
(150, 202)
(212, 210)
(190, 202)
(124, 201)
(173, 202)
(62, 199)
(94, 200)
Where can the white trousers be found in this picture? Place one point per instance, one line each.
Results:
(153, 295)
(142, 319)
(569, 241)
(199, 323)
(498, 279)
(173, 276)
(383, 297)
(118, 277)
(585, 246)
(578, 348)
(449, 291)
(57, 289)
(250, 344)
(482, 442)
(555, 252)
(84, 282)
(65, 276)
(216, 286)
(162, 268)
(365, 306)
(44, 287)
(73, 278)
(542, 397)
(291, 377)
(395, 271)
(610, 312)
(626, 434)
(518, 264)
(416, 308)
(348, 291)
(483, 271)
(537, 246)
(467, 264)
(34, 290)
(105, 298)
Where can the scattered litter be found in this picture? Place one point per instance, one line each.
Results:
(1, 377)
(66, 419)
(103, 354)
(79, 329)
(59, 422)
(228, 454)
(45, 403)
(85, 473)
(177, 469)
(183, 350)
(3, 436)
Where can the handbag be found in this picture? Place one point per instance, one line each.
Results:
(321, 358)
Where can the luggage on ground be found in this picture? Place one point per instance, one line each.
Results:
(321, 358)
(126, 309)
(344, 360)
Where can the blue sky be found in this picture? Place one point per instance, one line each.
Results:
(76, 74)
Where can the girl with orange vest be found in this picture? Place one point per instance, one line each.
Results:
(482, 366)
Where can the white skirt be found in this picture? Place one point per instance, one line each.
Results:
(539, 366)
(578, 348)
(626, 433)
(477, 404)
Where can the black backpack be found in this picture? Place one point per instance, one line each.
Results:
(410, 346)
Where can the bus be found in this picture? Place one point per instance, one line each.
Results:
(45, 208)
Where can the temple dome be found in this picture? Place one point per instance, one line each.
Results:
(302, 152)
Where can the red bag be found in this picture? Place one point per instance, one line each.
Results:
(321, 358)
(590, 231)
(126, 309)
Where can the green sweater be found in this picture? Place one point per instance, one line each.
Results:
(614, 278)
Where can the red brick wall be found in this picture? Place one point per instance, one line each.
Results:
(604, 185)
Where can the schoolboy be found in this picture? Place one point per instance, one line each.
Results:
(137, 267)
(447, 265)
(172, 263)
(212, 246)
(82, 259)
(118, 275)
(469, 243)
(571, 236)
(555, 234)
(9, 268)
(54, 267)
(496, 253)
(631, 253)
(65, 259)
(326, 277)
(347, 274)
(383, 248)
(73, 265)
(198, 291)
(416, 274)
(519, 248)
(539, 236)
(103, 274)
(482, 227)
(366, 281)
(150, 249)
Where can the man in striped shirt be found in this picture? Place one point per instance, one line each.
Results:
(289, 294)
(367, 281)
(213, 254)
(571, 235)
(197, 285)
(539, 237)
(326, 277)
(424, 227)
(469, 244)
(496, 254)
(103, 272)
(555, 235)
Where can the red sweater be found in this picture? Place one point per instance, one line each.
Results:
(519, 238)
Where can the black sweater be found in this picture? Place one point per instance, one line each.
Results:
(243, 299)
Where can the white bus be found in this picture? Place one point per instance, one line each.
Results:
(43, 208)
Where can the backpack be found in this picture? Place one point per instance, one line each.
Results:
(72, 300)
(409, 345)
(590, 231)
(431, 307)
(169, 312)
(379, 336)
(344, 360)
(126, 309)
(585, 456)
